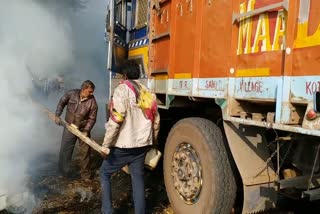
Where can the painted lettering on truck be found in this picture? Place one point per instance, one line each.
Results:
(266, 32)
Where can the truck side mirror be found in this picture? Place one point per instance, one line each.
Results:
(316, 101)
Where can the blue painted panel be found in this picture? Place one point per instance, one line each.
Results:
(118, 30)
(256, 88)
(303, 87)
(134, 6)
(180, 86)
(142, 32)
(138, 34)
(210, 87)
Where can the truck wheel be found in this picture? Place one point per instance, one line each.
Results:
(197, 172)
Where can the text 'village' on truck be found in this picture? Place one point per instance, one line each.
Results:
(236, 84)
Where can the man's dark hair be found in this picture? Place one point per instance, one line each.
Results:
(87, 84)
(131, 69)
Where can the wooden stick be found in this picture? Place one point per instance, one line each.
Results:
(74, 130)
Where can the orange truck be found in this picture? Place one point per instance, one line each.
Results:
(237, 84)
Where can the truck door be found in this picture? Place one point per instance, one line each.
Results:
(116, 33)
(117, 24)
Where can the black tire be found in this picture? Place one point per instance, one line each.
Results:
(218, 189)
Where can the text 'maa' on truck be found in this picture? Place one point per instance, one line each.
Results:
(236, 83)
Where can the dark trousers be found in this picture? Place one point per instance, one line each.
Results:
(115, 161)
(66, 150)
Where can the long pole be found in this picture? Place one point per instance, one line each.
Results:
(74, 130)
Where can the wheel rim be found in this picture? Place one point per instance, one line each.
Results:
(186, 173)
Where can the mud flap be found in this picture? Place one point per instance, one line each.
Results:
(249, 149)
(259, 197)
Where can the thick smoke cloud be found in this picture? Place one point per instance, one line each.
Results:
(87, 21)
(42, 39)
(90, 53)
(32, 40)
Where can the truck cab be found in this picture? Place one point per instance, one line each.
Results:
(237, 84)
(127, 36)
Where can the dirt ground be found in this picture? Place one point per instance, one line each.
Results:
(57, 194)
(72, 195)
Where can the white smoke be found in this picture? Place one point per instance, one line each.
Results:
(32, 40)
(90, 54)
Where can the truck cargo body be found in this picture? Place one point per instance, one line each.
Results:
(235, 81)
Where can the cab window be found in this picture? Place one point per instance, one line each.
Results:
(141, 13)
(118, 12)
